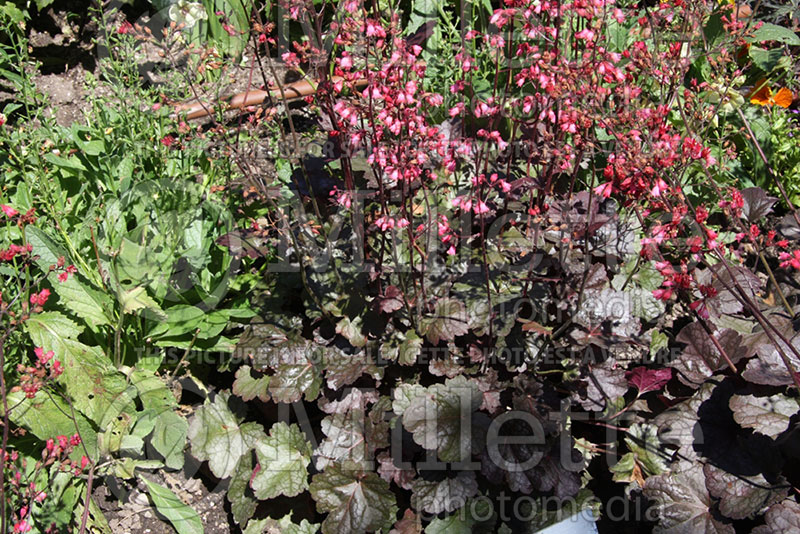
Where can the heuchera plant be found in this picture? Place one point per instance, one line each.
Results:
(491, 264)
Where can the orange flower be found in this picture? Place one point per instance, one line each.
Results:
(764, 97)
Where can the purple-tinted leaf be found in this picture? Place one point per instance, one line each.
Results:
(646, 380)
(292, 381)
(439, 417)
(408, 524)
(491, 388)
(769, 368)
(352, 432)
(343, 369)
(757, 203)
(725, 279)
(605, 382)
(390, 472)
(355, 500)
(449, 320)
(683, 504)
(701, 359)
(392, 300)
(446, 495)
(740, 496)
(781, 518)
(768, 415)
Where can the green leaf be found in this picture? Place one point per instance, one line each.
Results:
(217, 435)
(284, 526)
(773, 32)
(476, 516)
(768, 415)
(46, 416)
(97, 389)
(243, 506)
(439, 419)
(283, 458)
(249, 387)
(355, 500)
(88, 304)
(169, 438)
(765, 60)
(137, 299)
(182, 516)
(642, 440)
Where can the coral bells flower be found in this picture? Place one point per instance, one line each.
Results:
(63, 277)
(40, 298)
(9, 211)
(125, 28)
(22, 526)
(790, 259)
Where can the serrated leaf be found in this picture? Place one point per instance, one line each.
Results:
(642, 440)
(355, 500)
(701, 358)
(351, 331)
(96, 387)
(182, 516)
(46, 416)
(218, 435)
(757, 203)
(249, 387)
(445, 495)
(767, 415)
(292, 381)
(646, 380)
(283, 526)
(683, 504)
(449, 320)
(476, 516)
(283, 458)
(627, 469)
(740, 496)
(404, 350)
(781, 518)
(243, 506)
(75, 293)
(440, 418)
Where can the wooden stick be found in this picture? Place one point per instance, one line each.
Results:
(292, 91)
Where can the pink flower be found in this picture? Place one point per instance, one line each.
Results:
(22, 526)
(8, 210)
(604, 190)
(125, 28)
(167, 141)
(40, 298)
